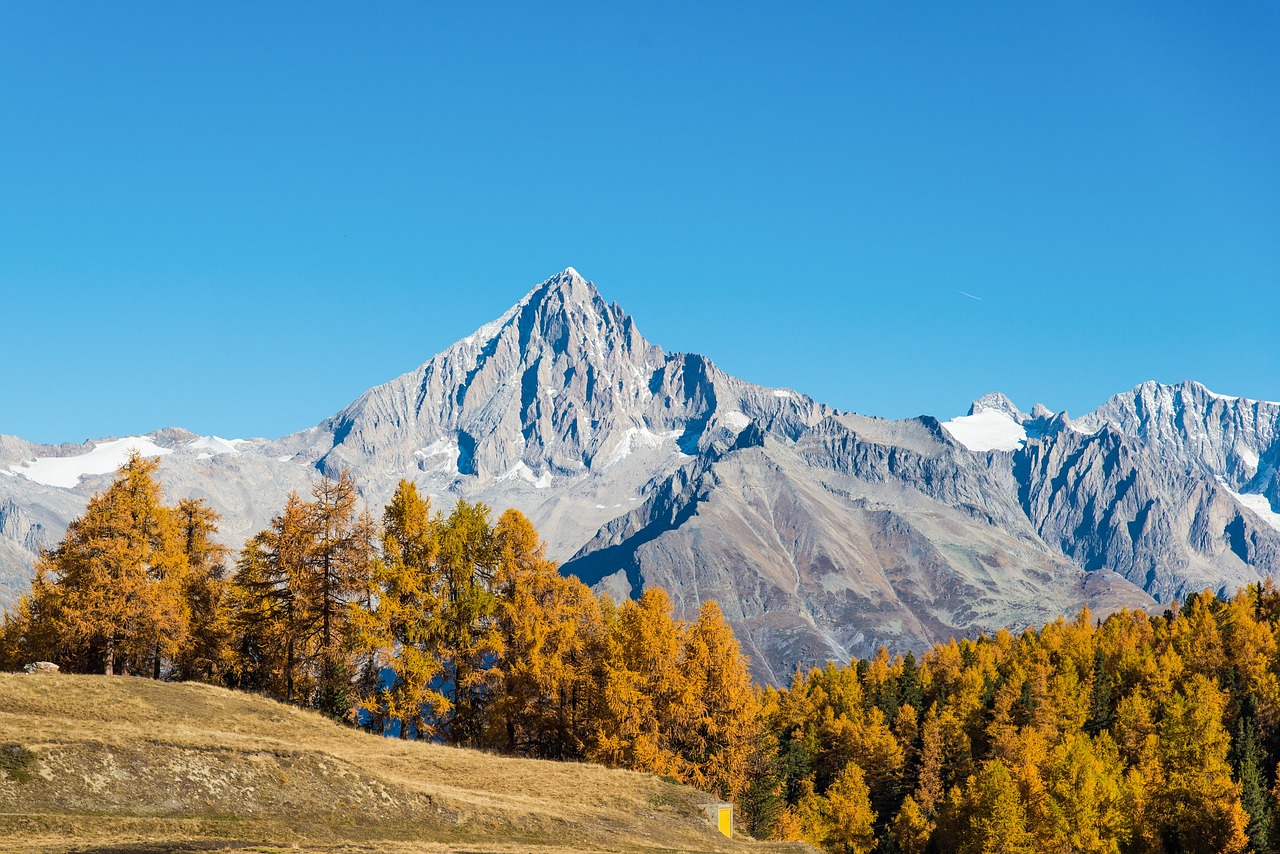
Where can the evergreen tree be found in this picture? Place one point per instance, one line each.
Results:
(911, 692)
(297, 586)
(339, 565)
(1101, 713)
(762, 803)
(269, 615)
(1254, 798)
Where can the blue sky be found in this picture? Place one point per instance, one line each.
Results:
(237, 217)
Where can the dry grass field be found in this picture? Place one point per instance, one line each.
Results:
(106, 765)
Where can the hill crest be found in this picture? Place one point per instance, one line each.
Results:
(126, 761)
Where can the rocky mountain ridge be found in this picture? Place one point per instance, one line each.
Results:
(822, 534)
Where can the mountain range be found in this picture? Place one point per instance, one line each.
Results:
(822, 534)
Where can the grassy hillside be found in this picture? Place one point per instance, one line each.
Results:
(121, 764)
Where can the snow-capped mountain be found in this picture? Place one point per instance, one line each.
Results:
(822, 534)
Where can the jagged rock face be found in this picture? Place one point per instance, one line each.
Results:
(997, 402)
(822, 534)
(1107, 500)
(1190, 426)
(861, 534)
(560, 408)
(17, 525)
(1234, 441)
(30, 520)
(563, 383)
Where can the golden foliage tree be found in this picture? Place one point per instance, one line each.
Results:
(135, 586)
(552, 630)
(992, 815)
(721, 723)
(842, 820)
(400, 626)
(1112, 736)
(298, 584)
(641, 690)
(1140, 733)
(912, 830)
(470, 636)
(207, 655)
(1199, 800)
(113, 591)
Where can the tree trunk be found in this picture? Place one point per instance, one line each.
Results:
(288, 670)
(155, 672)
(109, 657)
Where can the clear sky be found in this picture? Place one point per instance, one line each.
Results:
(237, 217)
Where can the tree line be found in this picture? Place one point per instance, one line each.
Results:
(420, 624)
(1138, 734)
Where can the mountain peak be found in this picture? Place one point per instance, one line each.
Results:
(567, 284)
(1000, 403)
(1174, 394)
(560, 386)
(551, 296)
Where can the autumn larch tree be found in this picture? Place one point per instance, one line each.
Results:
(339, 565)
(470, 637)
(297, 586)
(402, 627)
(544, 694)
(113, 591)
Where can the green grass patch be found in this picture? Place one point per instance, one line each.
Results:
(16, 761)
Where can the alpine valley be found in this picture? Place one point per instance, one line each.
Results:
(822, 534)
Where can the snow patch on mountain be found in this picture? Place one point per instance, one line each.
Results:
(440, 447)
(104, 457)
(987, 430)
(635, 438)
(1231, 398)
(212, 446)
(522, 471)
(1260, 505)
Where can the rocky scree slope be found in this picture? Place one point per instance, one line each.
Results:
(862, 532)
